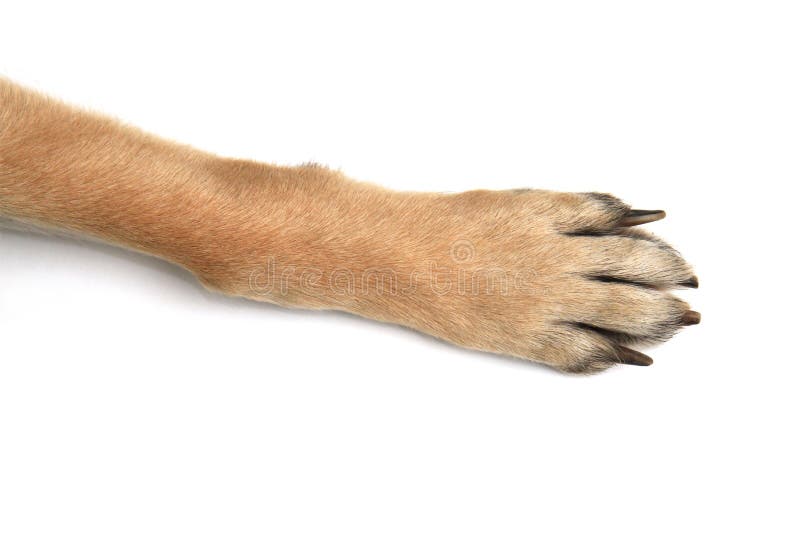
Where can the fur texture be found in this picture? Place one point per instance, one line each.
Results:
(546, 276)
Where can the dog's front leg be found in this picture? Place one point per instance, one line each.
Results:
(559, 278)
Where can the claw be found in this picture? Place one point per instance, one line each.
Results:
(632, 357)
(692, 282)
(637, 217)
(690, 317)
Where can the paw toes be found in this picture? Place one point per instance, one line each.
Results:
(635, 257)
(591, 213)
(578, 351)
(583, 352)
(627, 314)
(599, 213)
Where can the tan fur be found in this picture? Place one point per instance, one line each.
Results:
(509, 272)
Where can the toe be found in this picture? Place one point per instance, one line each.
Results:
(626, 313)
(590, 213)
(573, 350)
(598, 213)
(633, 256)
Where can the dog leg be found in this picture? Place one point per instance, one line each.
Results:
(558, 278)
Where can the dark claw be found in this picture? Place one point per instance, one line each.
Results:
(690, 317)
(632, 357)
(692, 282)
(637, 217)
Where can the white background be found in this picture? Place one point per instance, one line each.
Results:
(133, 401)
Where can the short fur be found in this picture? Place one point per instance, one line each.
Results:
(541, 275)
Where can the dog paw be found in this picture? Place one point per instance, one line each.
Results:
(565, 279)
(596, 288)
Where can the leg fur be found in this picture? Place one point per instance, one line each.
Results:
(550, 277)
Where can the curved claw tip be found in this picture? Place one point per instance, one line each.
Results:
(692, 282)
(632, 357)
(690, 317)
(637, 217)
